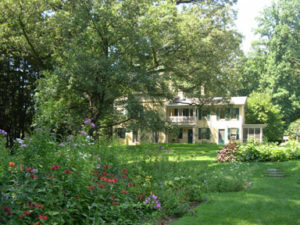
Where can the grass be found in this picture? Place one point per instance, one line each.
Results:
(267, 201)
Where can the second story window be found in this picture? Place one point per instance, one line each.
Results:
(228, 114)
(204, 114)
(185, 112)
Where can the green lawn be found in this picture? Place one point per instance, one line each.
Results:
(268, 200)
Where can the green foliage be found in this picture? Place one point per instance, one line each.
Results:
(96, 58)
(294, 129)
(261, 110)
(273, 66)
(267, 152)
(79, 181)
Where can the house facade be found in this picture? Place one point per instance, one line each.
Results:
(220, 124)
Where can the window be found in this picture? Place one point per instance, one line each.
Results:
(121, 132)
(204, 114)
(203, 133)
(233, 133)
(175, 112)
(221, 114)
(257, 134)
(229, 113)
(234, 113)
(155, 136)
(185, 112)
(135, 136)
(180, 133)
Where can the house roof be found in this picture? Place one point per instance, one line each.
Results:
(240, 100)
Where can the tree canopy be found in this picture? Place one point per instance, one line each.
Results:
(95, 58)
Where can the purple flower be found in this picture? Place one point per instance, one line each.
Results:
(84, 133)
(93, 125)
(35, 170)
(70, 136)
(99, 159)
(98, 166)
(147, 200)
(158, 205)
(87, 120)
(62, 144)
(154, 196)
(3, 132)
(23, 145)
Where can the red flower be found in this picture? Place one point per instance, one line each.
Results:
(113, 198)
(124, 176)
(100, 185)
(27, 213)
(124, 192)
(115, 203)
(129, 185)
(105, 166)
(39, 206)
(55, 167)
(37, 223)
(67, 171)
(21, 217)
(64, 209)
(29, 169)
(124, 170)
(43, 217)
(140, 197)
(91, 187)
(12, 164)
(104, 173)
(33, 176)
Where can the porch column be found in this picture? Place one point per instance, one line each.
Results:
(194, 135)
(261, 134)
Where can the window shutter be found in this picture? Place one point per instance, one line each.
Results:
(200, 114)
(218, 114)
(237, 133)
(208, 115)
(228, 114)
(229, 133)
(237, 113)
(199, 133)
(207, 133)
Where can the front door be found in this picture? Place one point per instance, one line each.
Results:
(221, 136)
(190, 136)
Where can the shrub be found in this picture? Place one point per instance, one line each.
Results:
(227, 153)
(268, 152)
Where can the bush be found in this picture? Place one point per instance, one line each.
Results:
(268, 152)
(79, 181)
(227, 153)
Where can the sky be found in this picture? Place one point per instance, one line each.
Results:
(247, 11)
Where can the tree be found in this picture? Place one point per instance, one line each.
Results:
(126, 53)
(280, 40)
(261, 110)
(294, 129)
(97, 57)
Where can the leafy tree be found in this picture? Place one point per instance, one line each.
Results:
(97, 58)
(294, 129)
(126, 54)
(261, 110)
(280, 40)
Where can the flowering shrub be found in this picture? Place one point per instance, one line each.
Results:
(227, 153)
(82, 181)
